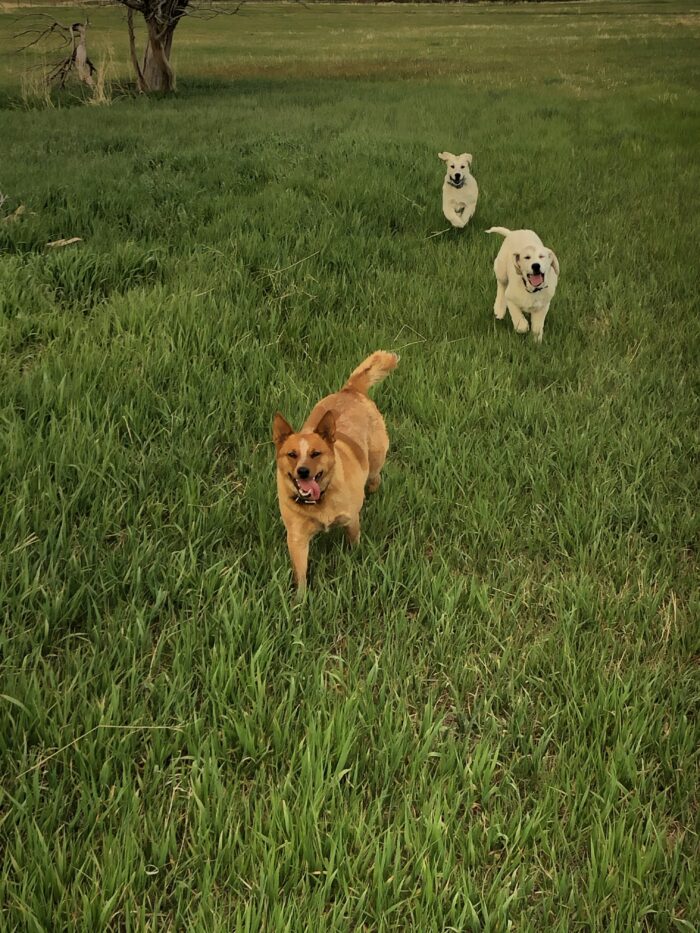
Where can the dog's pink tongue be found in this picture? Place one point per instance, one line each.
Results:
(536, 279)
(310, 487)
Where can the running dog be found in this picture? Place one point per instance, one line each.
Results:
(323, 469)
(459, 190)
(526, 279)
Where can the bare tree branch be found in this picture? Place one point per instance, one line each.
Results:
(207, 13)
(40, 34)
(73, 35)
(140, 83)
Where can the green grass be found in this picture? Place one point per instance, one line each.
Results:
(486, 718)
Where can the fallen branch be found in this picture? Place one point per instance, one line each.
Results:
(439, 233)
(287, 268)
(89, 732)
(15, 215)
(57, 243)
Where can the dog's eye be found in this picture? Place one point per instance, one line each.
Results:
(315, 453)
(292, 454)
(527, 257)
(461, 166)
(452, 166)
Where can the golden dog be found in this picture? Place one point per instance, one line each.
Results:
(323, 469)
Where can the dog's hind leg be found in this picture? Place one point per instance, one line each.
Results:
(376, 462)
(352, 530)
(376, 454)
(373, 482)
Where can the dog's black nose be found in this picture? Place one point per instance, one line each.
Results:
(536, 267)
(458, 175)
(303, 472)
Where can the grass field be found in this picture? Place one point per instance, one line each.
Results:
(486, 718)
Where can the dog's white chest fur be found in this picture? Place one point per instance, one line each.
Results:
(532, 301)
(459, 204)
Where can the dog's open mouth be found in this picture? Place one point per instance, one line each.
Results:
(536, 279)
(309, 488)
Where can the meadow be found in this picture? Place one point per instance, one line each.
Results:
(485, 719)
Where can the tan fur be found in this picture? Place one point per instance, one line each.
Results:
(345, 440)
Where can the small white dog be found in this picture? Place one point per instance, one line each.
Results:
(459, 190)
(526, 276)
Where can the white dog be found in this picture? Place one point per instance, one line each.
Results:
(526, 276)
(459, 190)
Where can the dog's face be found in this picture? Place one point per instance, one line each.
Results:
(534, 264)
(305, 461)
(457, 166)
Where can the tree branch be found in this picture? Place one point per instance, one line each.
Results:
(73, 35)
(40, 34)
(140, 83)
(207, 13)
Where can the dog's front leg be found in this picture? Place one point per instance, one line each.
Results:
(499, 305)
(468, 213)
(298, 545)
(518, 318)
(459, 218)
(537, 323)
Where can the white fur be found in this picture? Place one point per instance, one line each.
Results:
(458, 204)
(514, 293)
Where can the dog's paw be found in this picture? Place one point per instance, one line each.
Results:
(499, 312)
(521, 327)
(373, 483)
(537, 336)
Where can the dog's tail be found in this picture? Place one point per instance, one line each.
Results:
(504, 231)
(375, 368)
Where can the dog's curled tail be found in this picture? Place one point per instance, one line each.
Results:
(504, 231)
(375, 368)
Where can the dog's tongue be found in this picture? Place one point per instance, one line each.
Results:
(310, 488)
(536, 280)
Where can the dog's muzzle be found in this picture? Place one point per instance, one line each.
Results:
(308, 490)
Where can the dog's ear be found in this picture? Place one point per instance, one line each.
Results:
(445, 156)
(281, 430)
(516, 260)
(468, 157)
(555, 261)
(326, 427)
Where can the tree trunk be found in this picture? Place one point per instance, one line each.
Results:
(156, 71)
(83, 65)
(140, 83)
